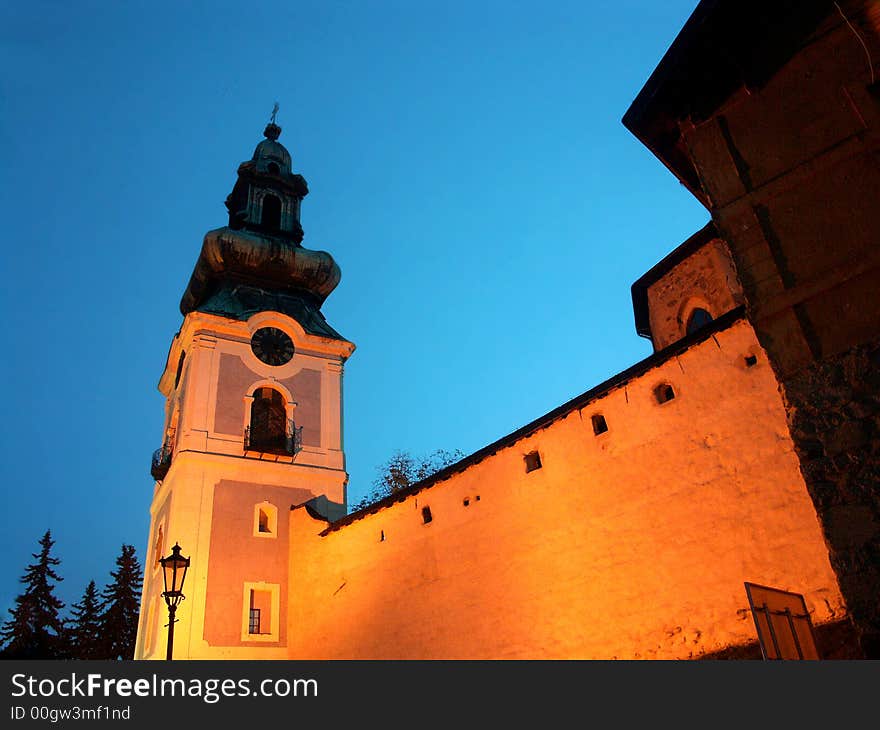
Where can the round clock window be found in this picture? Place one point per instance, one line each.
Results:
(272, 346)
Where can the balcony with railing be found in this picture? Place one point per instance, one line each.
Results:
(274, 441)
(161, 462)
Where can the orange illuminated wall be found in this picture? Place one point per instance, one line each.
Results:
(633, 543)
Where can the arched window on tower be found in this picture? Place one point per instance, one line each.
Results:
(271, 218)
(697, 319)
(179, 368)
(265, 520)
(268, 427)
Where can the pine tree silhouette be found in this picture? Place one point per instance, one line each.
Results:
(84, 629)
(36, 631)
(121, 607)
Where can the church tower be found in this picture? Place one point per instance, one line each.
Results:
(253, 422)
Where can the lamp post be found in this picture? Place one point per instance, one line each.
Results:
(174, 569)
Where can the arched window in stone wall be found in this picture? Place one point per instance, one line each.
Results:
(697, 319)
(268, 425)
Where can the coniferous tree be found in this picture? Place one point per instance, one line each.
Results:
(84, 629)
(121, 607)
(36, 630)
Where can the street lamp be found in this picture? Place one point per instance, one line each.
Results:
(174, 568)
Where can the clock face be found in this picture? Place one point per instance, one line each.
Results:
(272, 346)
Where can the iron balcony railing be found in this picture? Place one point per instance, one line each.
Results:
(268, 441)
(161, 462)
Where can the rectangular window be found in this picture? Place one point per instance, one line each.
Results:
(254, 625)
(261, 608)
(260, 617)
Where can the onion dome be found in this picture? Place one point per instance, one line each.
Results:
(257, 262)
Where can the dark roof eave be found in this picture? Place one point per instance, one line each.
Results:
(723, 322)
(724, 45)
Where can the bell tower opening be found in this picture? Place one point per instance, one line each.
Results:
(271, 217)
(268, 426)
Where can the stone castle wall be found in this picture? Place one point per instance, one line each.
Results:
(834, 410)
(792, 171)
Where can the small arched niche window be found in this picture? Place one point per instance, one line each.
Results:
(664, 393)
(265, 520)
(600, 425)
(697, 319)
(273, 168)
(179, 368)
(271, 217)
(268, 426)
(158, 547)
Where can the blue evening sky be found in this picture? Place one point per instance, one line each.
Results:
(467, 168)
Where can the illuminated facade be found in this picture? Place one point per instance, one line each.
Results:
(253, 387)
(623, 524)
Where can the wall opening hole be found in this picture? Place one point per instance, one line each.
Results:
(382, 536)
(426, 515)
(466, 502)
(664, 393)
(273, 168)
(533, 461)
(477, 498)
(751, 360)
(600, 425)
